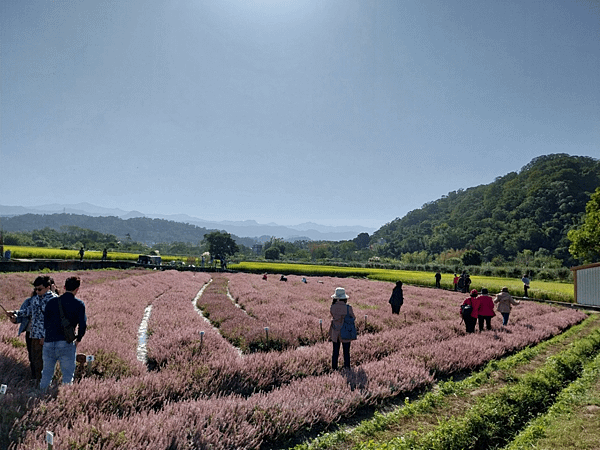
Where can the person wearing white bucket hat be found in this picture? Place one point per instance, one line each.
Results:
(338, 310)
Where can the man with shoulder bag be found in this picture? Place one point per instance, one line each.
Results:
(62, 316)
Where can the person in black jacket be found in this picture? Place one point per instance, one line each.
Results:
(397, 298)
(56, 348)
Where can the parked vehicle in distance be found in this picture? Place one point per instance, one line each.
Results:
(150, 259)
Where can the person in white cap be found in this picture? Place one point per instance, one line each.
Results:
(339, 309)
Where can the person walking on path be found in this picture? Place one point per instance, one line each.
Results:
(56, 347)
(339, 309)
(526, 282)
(438, 279)
(397, 298)
(504, 302)
(31, 316)
(471, 317)
(485, 312)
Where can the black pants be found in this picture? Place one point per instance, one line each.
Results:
(336, 354)
(32, 362)
(396, 309)
(487, 320)
(470, 323)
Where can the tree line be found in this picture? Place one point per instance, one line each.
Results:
(536, 219)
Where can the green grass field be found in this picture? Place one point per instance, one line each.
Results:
(545, 290)
(18, 252)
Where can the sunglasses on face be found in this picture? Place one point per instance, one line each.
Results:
(40, 288)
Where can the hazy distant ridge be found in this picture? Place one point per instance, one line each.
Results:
(18, 218)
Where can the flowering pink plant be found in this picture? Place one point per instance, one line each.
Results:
(200, 381)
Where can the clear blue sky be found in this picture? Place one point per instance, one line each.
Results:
(337, 111)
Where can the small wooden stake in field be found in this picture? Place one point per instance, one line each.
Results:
(50, 439)
(267, 332)
(321, 325)
(90, 360)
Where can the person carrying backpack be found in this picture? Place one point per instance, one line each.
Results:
(338, 311)
(468, 311)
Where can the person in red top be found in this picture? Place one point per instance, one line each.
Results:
(485, 312)
(471, 319)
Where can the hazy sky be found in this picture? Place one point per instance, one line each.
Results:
(331, 111)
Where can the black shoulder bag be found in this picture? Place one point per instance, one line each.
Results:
(68, 329)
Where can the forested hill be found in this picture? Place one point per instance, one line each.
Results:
(531, 209)
(139, 229)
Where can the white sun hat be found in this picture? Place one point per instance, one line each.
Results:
(340, 294)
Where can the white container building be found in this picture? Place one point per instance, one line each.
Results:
(587, 284)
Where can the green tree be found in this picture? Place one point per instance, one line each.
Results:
(221, 244)
(361, 241)
(272, 252)
(585, 240)
(471, 258)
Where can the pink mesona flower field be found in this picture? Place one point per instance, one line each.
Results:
(211, 378)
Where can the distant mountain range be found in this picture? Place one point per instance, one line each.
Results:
(246, 228)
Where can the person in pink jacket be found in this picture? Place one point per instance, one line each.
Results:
(471, 319)
(338, 311)
(485, 312)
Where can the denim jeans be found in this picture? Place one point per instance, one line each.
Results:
(505, 318)
(62, 352)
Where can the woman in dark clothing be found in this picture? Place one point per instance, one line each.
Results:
(397, 298)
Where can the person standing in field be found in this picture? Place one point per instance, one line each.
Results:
(24, 321)
(81, 253)
(526, 282)
(505, 302)
(467, 283)
(397, 298)
(485, 312)
(455, 282)
(438, 279)
(31, 318)
(470, 317)
(339, 309)
(56, 347)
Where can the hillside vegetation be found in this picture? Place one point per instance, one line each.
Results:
(520, 220)
(532, 209)
(139, 229)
